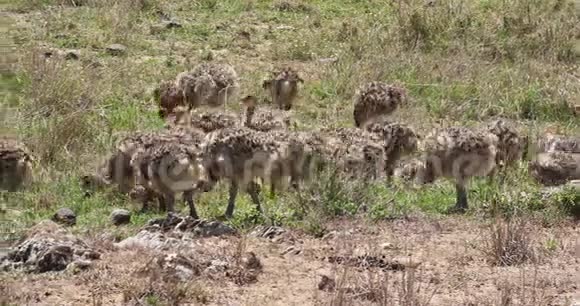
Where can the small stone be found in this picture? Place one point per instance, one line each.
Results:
(326, 284)
(387, 246)
(120, 216)
(285, 28)
(172, 24)
(328, 60)
(213, 228)
(65, 216)
(269, 232)
(216, 268)
(72, 55)
(116, 49)
(292, 250)
(48, 53)
(251, 261)
(407, 262)
(183, 273)
(330, 235)
(80, 265)
(92, 255)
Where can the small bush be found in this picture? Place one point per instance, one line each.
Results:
(332, 194)
(568, 200)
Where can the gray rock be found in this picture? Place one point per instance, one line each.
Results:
(328, 60)
(213, 228)
(40, 256)
(387, 246)
(144, 239)
(48, 53)
(326, 283)
(120, 216)
(269, 232)
(80, 265)
(49, 247)
(198, 227)
(217, 265)
(65, 216)
(251, 261)
(56, 258)
(72, 54)
(178, 266)
(116, 49)
(172, 24)
(291, 250)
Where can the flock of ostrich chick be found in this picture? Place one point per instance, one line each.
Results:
(202, 144)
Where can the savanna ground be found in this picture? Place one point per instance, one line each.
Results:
(462, 62)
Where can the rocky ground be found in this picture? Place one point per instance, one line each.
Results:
(416, 261)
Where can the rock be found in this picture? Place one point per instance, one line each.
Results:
(65, 216)
(143, 239)
(328, 60)
(172, 24)
(80, 265)
(48, 247)
(120, 216)
(367, 262)
(203, 228)
(72, 54)
(175, 232)
(407, 262)
(292, 250)
(57, 258)
(337, 235)
(251, 262)
(285, 28)
(269, 232)
(575, 184)
(326, 284)
(178, 266)
(216, 266)
(116, 49)
(48, 53)
(92, 255)
(213, 228)
(387, 246)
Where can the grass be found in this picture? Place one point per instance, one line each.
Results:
(461, 62)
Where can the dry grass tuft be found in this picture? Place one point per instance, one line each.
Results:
(247, 266)
(509, 242)
(404, 289)
(162, 281)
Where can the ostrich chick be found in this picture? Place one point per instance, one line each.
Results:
(207, 84)
(241, 155)
(171, 168)
(15, 164)
(458, 153)
(263, 119)
(376, 99)
(283, 87)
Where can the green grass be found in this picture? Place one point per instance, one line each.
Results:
(461, 62)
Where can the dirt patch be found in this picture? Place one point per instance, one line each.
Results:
(360, 260)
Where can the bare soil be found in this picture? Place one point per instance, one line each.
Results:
(418, 261)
